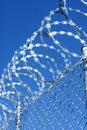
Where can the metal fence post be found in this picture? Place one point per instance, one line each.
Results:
(84, 51)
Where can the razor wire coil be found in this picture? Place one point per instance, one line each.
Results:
(45, 78)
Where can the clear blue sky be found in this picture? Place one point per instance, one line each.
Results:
(18, 20)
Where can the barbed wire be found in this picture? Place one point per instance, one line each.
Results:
(39, 65)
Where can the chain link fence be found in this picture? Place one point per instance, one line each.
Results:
(43, 86)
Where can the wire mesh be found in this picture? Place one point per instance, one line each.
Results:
(60, 108)
(43, 86)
